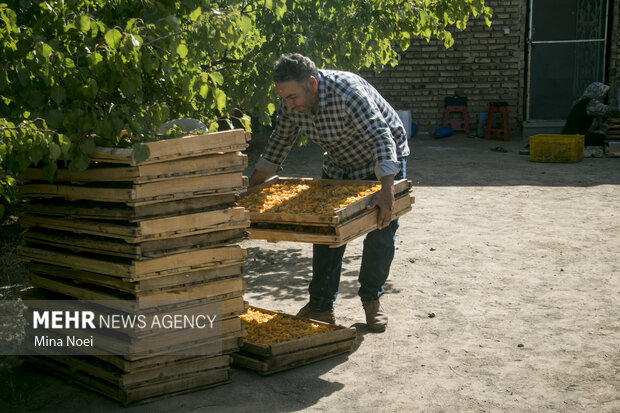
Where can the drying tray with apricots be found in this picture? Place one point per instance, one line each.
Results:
(276, 341)
(318, 211)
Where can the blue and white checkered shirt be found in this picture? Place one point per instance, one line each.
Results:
(358, 130)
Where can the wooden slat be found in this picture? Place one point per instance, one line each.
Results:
(147, 393)
(209, 290)
(150, 229)
(344, 233)
(131, 364)
(368, 221)
(189, 259)
(119, 248)
(170, 283)
(288, 361)
(104, 371)
(120, 212)
(180, 188)
(188, 146)
(100, 172)
(133, 270)
(77, 243)
(272, 235)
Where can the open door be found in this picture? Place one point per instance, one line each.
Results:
(566, 52)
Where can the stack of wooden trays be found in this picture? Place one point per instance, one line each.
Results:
(285, 355)
(162, 234)
(612, 140)
(336, 229)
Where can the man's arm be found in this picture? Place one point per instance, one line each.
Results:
(277, 148)
(384, 199)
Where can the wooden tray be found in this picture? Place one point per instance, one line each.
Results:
(134, 270)
(344, 225)
(147, 229)
(154, 172)
(140, 194)
(289, 354)
(185, 147)
(193, 374)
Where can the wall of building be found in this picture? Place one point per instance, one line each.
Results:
(485, 64)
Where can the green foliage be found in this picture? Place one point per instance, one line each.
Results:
(81, 73)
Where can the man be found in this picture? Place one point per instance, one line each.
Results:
(363, 139)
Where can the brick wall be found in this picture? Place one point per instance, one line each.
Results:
(485, 64)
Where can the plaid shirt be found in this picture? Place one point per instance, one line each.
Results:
(359, 131)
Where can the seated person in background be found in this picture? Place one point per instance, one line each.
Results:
(588, 114)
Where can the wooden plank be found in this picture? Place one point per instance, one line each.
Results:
(99, 369)
(160, 247)
(367, 221)
(342, 233)
(288, 361)
(197, 222)
(148, 229)
(184, 270)
(121, 212)
(129, 364)
(189, 259)
(73, 242)
(224, 181)
(324, 220)
(184, 147)
(70, 192)
(274, 235)
(74, 261)
(133, 270)
(163, 171)
(180, 188)
(208, 348)
(210, 290)
(165, 342)
(147, 393)
(77, 243)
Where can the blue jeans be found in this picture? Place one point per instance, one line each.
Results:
(376, 261)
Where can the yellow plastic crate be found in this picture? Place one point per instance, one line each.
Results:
(556, 148)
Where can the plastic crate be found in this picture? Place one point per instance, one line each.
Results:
(556, 148)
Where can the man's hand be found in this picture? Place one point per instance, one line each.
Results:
(258, 177)
(384, 199)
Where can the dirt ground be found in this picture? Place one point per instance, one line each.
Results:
(504, 296)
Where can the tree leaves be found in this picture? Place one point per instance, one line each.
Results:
(113, 38)
(142, 152)
(80, 71)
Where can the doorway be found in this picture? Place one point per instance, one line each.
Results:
(566, 47)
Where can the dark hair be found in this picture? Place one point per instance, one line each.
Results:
(294, 66)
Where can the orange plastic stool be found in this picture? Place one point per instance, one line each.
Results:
(461, 124)
(498, 129)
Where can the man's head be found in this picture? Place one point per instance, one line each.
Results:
(296, 78)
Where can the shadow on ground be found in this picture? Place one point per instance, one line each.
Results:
(459, 160)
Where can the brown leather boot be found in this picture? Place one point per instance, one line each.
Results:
(324, 316)
(376, 319)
